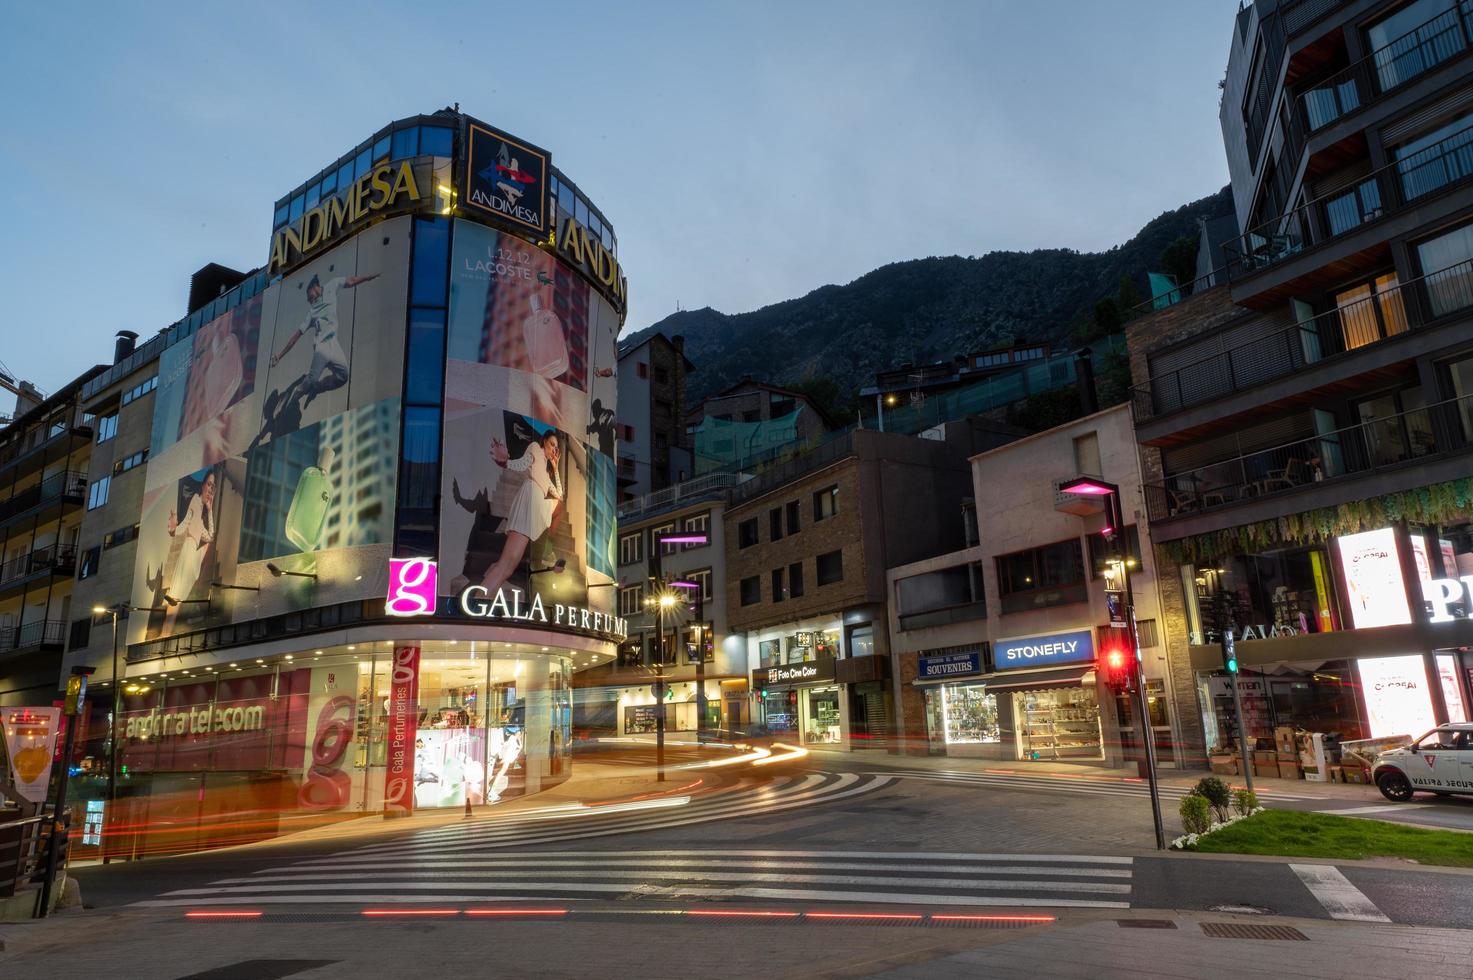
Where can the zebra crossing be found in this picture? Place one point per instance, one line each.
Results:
(931, 879)
(1074, 785)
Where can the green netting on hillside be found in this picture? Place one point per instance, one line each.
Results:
(722, 444)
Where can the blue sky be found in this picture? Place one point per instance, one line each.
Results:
(746, 152)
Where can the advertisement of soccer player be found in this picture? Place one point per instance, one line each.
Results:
(528, 467)
(272, 468)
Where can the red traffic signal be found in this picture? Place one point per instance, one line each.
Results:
(1115, 662)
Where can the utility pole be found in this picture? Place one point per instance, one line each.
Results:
(1224, 623)
(74, 708)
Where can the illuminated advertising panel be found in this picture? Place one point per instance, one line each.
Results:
(1396, 695)
(528, 464)
(506, 179)
(275, 434)
(1375, 591)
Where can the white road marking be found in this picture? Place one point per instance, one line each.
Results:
(1338, 896)
(1378, 808)
(556, 866)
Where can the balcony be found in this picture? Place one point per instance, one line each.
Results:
(68, 486)
(1299, 14)
(1321, 339)
(51, 559)
(41, 635)
(1391, 442)
(712, 484)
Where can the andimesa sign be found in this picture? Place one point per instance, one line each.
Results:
(511, 604)
(381, 189)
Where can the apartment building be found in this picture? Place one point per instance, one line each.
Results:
(654, 451)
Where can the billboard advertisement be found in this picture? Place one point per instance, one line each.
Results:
(272, 460)
(1376, 593)
(507, 179)
(528, 495)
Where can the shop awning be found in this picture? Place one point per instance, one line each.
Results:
(1043, 679)
(951, 679)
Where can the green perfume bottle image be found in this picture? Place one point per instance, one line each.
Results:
(308, 510)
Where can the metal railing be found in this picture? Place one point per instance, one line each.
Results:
(50, 558)
(701, 486)
(69, 483)
(45, 632)
(23, 846)
(1384, 191)
(1410, 56)
(1380, 443)
(836, 448)
(1310, 341)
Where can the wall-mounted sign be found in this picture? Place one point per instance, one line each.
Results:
(1397, 698)
(1048, 650)
(790, 675)
(402, 722)
(506, 179)
(949, 665)
(388, 187)
(585, 251)
(412, 587)
(511, 604)
(1376, 593)
(1115, 607)
(30, 745)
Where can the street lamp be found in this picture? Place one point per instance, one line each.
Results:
(277, 572)
(665, 600)
(1114, 531)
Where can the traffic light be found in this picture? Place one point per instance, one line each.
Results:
(1229, 654)
(1115, 662)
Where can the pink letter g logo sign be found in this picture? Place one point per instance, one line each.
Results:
(412, 587)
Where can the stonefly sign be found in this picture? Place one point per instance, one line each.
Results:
(1049, 650)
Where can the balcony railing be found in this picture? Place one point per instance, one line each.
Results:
(1384, 191)
(1299, 14)
(1444, 37)
(42, 633)
(52, 558)
(1319, 338)
(701, 486)
(70, 483)
(1377, 444)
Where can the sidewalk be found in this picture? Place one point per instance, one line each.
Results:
(589, 941)
(1166, 777)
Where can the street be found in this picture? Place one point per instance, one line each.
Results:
(770, 858)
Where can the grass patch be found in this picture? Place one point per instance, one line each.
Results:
(1294, 834)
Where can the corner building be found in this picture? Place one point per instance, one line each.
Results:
(1306, 427)
(374, 538)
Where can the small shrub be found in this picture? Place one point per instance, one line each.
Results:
(1245, 801)
(1215, 792)
(1196, 813)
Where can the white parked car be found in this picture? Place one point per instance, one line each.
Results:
(1439, 762)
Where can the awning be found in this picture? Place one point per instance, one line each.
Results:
(951, 679)
(1043, 679)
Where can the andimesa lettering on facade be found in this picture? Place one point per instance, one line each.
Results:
(584, 249)
(477, 602)
(375, 191)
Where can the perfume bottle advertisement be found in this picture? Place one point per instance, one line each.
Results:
(201, 378)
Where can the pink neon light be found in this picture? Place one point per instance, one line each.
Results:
(738, 914)
(381, 913)
(864, 915)
(1086, 487)
(516, 911)
(223, 915)
(993, 918)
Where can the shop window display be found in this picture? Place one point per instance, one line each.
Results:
(968, 713)
(822, 723)
(1285, 592)
(1061, 723)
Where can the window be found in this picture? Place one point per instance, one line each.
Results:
(662, 376)
(795, 580)
(830, 567)
(1413, 39)
(81, 633)
(862, 640)
(97, 493)
(747, 533)
(642, 369)
(825, 503)
(1039, 577)
(1087, 454)
(752, 415)
(128, 462)
(935, 598)
(751, 590)
(769, 653)
(1101, 552)
(657, 532)
(775, 524)
(436, 141)
(777, 585)
(140, 389)
(1147, 633)
(87, 567)
(664, 406)
(1445, 263)
(1436, 159)
(121, 536)
(699, 524)
(107, 427)
(793, 517)
(969, 523)
(631, 548)
(631, 600)
(1370, 311)
(702, 578)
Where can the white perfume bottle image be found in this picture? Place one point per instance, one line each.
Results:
(308, 510)
(547, 345)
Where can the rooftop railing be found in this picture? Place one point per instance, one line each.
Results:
(701, 486)
(1322, 337)
(1376, 444)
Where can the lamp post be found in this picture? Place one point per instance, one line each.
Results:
(1115, 531)
(665, 599)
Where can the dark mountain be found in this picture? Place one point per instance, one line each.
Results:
(923, 310)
